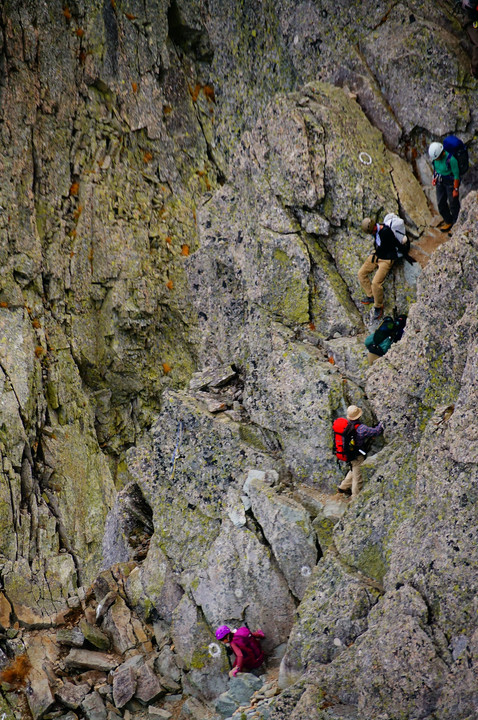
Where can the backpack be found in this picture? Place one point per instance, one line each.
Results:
(389, 331)
(397, 226)
(249, 646)
(345, 439)
(456, 147)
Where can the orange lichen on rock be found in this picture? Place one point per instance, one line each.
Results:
(78, 212)
(134, 86)
(130, 16)
(195, 92)
(208, 91)
(74, 188)
(67, 13)
(36, 323)
(80, 32)
(185, 250)
(3, 304)
(168, 240)
(166, 368)
(16, 673)
(147, 157)
(170, 284)
(39, 351)
(311, 326)
(167, 109)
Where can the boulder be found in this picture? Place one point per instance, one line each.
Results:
(241, 689)
(94, 636)
(72, 695)
(90, 659)
(124, 685)
(148, 686)
(117, 623)
(287, 528)
(204, 670)
(228, 591)
(165, 664)
(94, 707)
(72, 637)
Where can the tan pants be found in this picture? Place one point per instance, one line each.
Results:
(375, 287)
(353, 479)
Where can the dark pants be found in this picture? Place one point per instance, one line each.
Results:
(448, 206)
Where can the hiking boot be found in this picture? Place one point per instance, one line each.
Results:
(347, 492)
(445, 227)
(367, 300)
(377, 313)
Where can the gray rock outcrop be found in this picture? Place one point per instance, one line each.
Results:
(180, 322)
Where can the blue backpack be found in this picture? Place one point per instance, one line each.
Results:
(454, 146)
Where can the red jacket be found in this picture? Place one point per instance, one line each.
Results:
(247, 649)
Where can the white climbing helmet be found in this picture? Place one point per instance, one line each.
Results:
(435, 150)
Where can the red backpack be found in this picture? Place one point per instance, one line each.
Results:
(345, 439)
(249, 646)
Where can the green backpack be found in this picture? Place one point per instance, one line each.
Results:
(388, 332)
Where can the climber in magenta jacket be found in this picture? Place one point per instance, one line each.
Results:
(245, 646)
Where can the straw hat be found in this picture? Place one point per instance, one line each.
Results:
(353, 412)
(368, 225)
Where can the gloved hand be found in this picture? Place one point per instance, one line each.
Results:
(455, 193)
(456, 185)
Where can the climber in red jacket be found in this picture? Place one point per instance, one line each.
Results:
(245, 646)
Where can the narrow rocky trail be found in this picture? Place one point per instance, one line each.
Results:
(423, 248)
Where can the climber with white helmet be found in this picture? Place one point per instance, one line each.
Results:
(245, 646)
(446, 179)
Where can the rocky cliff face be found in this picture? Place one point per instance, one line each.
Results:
(182, 189)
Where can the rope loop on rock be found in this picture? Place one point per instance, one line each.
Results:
(214, 649)
(365, 158)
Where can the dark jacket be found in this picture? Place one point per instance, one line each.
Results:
(389, 247)
(366, 433)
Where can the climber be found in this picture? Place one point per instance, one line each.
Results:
(363, 433)
(387, 249)
(245, 646)
(446, 179)
(471, 26)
